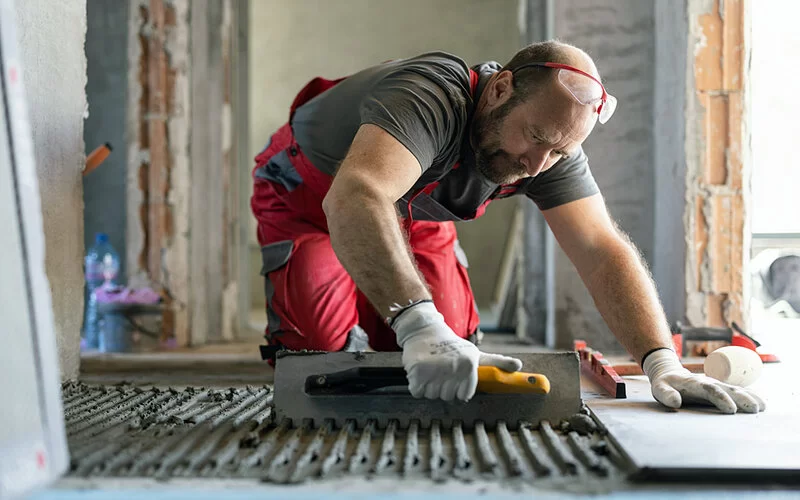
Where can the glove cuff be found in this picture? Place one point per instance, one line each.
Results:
(651, 351)
(414, 318)
(661, 361)
(397, 309)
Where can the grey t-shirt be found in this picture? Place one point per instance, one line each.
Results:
(426, 104)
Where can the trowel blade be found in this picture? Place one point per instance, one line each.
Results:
(293, 402)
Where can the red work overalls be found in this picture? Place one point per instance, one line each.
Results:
(312, 303)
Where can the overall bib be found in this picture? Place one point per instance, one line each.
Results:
(312, 302)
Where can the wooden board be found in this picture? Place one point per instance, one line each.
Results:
(700, 443)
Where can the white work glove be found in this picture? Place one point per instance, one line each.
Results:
(439, 363)
(672, 384)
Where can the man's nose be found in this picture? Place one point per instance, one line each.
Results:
(536, 160)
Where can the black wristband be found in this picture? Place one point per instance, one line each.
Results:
(392, 319)
(651, 351)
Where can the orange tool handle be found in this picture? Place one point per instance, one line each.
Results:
(493, 380)
(97, 157)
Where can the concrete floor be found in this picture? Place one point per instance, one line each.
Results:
(240, 364)
(388, 489)
(122, 431)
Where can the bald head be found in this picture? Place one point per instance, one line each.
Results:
(529, 80)
(577, 58)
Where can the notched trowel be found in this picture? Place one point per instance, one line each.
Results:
(342, 386)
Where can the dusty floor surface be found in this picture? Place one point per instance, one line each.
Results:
(131, 431)
(193, 421)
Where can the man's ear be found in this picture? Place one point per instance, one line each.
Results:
(500, 89)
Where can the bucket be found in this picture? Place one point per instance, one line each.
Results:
(116, 330)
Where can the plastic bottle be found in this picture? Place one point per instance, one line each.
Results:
(101, 269)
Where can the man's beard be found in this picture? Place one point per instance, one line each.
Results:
(494, 163)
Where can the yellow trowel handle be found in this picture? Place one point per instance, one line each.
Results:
(493, 380)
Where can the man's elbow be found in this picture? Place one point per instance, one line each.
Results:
(608, 254)
(330, 203)
(345, 197)
(339, 198)
(625, 244)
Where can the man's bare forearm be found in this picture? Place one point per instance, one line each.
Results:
(370, 244)
(626, 297)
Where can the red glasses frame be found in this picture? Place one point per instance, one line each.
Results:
(603, 98)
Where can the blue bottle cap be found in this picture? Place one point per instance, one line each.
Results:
(101, 238)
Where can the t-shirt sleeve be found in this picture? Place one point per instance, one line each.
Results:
(424, 113)
(568, 180)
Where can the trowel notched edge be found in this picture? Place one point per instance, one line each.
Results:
(293, 402)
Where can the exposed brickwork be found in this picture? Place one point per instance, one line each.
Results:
(716, 133)
(156, 118)
(700, 237)
(721, 239)
(230, 214)
(708, 56)
(167, 125)
(155, 80)
(718, 235)
(735, 137)
(714, 307)
(733, 48)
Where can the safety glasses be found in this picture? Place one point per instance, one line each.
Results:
(585, 88)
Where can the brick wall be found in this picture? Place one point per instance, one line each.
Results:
(715, 215)
(182, 184)
(158, 112)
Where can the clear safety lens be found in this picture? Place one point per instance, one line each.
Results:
(608, 108)
(587, 91)
(583, 89)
